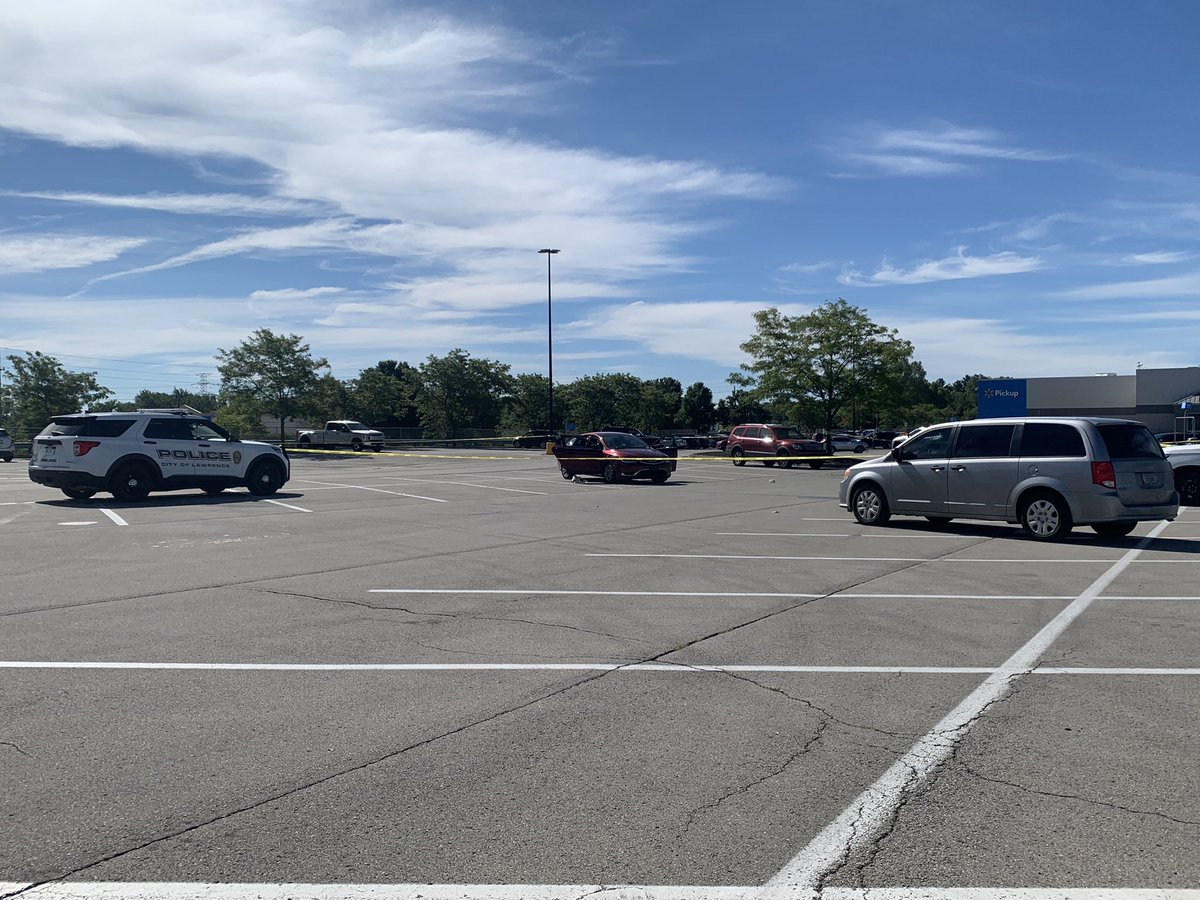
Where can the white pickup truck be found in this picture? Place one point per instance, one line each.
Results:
(1185, 461)
(342, 433)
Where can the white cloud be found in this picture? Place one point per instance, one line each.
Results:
(21, 253)
(942, 149)
(1177, 286)
(948, 269)
(190, 204)
(1158, 258)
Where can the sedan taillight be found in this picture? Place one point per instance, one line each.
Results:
(83, 448)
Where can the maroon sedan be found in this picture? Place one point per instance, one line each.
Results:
(613, 456)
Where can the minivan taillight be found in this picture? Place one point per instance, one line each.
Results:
(83, 448)
(1104, 475)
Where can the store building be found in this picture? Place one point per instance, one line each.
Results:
(1165, 399)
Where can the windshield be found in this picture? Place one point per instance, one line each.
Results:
(624, 442)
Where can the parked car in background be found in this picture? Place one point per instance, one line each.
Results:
(614, 456)
(720, 440)
(1178, 437)
(848, 442)
(1047, 474)
(883, 439)
(771, 444)
(342, 433)
(6, 446)
(534, 439)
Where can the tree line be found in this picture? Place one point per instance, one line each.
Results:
(828, 370)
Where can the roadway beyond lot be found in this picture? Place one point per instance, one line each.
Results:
(413, 675)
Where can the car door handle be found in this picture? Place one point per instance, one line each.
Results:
(958, 468)
(937, 468)
(149, 442)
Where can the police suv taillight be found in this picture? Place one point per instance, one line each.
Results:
(83, 448)
(1104, 475)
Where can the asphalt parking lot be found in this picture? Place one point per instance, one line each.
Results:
(459, 675)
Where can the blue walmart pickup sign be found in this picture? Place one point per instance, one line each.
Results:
(1002, 397)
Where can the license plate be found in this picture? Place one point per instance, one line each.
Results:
(1150, 479)
(47, 453)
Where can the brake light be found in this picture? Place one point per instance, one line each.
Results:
(1104, 475)
(83, 448)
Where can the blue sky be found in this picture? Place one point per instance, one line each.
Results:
(1013, 186)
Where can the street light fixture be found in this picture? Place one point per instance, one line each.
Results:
(549, 337)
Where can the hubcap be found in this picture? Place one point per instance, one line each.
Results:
(1042, 517)
(867, 506)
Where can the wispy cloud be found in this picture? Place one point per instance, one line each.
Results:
(943, 149)
(1176, 286)
(190, 204)
(951, 268)
(1156, 258)
(21, 253)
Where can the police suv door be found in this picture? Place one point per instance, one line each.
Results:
(215, 455)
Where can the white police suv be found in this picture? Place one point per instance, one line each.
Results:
(131, 454)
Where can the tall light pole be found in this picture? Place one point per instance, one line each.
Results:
(549, 336)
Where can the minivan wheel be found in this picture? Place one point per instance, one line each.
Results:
(1114, 529)
(870, 506)
(739, 456)
(1045, 517)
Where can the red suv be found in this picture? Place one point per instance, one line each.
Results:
(772, 444)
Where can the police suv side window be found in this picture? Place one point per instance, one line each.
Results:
(168, 430)
(105, 428)
(1051, 439)
(976, 441)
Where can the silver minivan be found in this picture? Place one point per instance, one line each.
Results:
(1048, 474)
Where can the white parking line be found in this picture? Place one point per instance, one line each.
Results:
(940, 559)
(112, 515)
(360, 487)
(535, 592)
(869, 814)
(285, 505)
(844, 534)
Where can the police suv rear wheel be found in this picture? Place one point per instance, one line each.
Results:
(130, 483)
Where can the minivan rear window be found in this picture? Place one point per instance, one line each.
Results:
(1051, 439)
(1128, 440)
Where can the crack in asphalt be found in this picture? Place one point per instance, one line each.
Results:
(15, 747)
(963, 767)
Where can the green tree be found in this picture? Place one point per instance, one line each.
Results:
(528, 405)
(406, 413)
(461, 392)
(38, 387)
(661, 398)
(739, 408)
(833, 358)
(696, 409)
(593, 401)
(276, 372)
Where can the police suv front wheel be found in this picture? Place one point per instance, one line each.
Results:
(264, 478)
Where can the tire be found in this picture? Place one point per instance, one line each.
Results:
(1114, 529)
(212, 491)
(610, 473)
(768, 463)
(356, 445)
(565, 474)
(1045, 517)
(660, 477)
(264, 478)
(7, 457)
(859, 448)
(784, 460)
(130, 482)
(738, 455)
(1188, 485)
(869, 505)
(815, 464)
(305, 440)
(517, 443)
(78, 493)
(378, 448)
